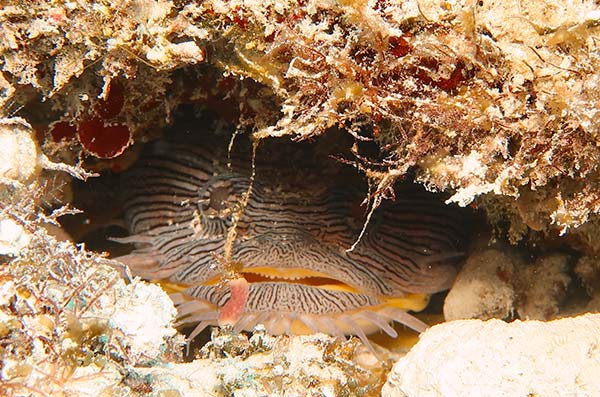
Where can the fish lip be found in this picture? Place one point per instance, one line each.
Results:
(260, 274)
(366, 315)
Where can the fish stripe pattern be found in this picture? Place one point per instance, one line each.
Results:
(291, 244)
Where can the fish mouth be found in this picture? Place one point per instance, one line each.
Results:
(266, 274)
(314, 279)
(290, 292)
(300, 278)
(311, 278)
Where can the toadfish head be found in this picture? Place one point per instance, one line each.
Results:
(244, 248)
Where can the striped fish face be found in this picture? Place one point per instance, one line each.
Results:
(290, 247)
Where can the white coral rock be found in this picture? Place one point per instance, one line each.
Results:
(494, 358)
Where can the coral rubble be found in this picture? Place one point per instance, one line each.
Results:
(315, 365)
(69, 324)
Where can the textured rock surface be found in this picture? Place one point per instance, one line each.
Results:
(483, 289)
(494, 358)
(315, 365)
(542, 287)
(496, 283)
(18, 149)
(588, 270)
(69, 325)
(494, 100)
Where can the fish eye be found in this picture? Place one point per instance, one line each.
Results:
(215, 197)
(218, 197)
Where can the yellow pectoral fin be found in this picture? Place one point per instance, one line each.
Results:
(414, 302)
(170, 287)
(339, 287)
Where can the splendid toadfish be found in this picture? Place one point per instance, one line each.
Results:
(287, 265)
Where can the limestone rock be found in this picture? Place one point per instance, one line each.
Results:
(497, 359)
